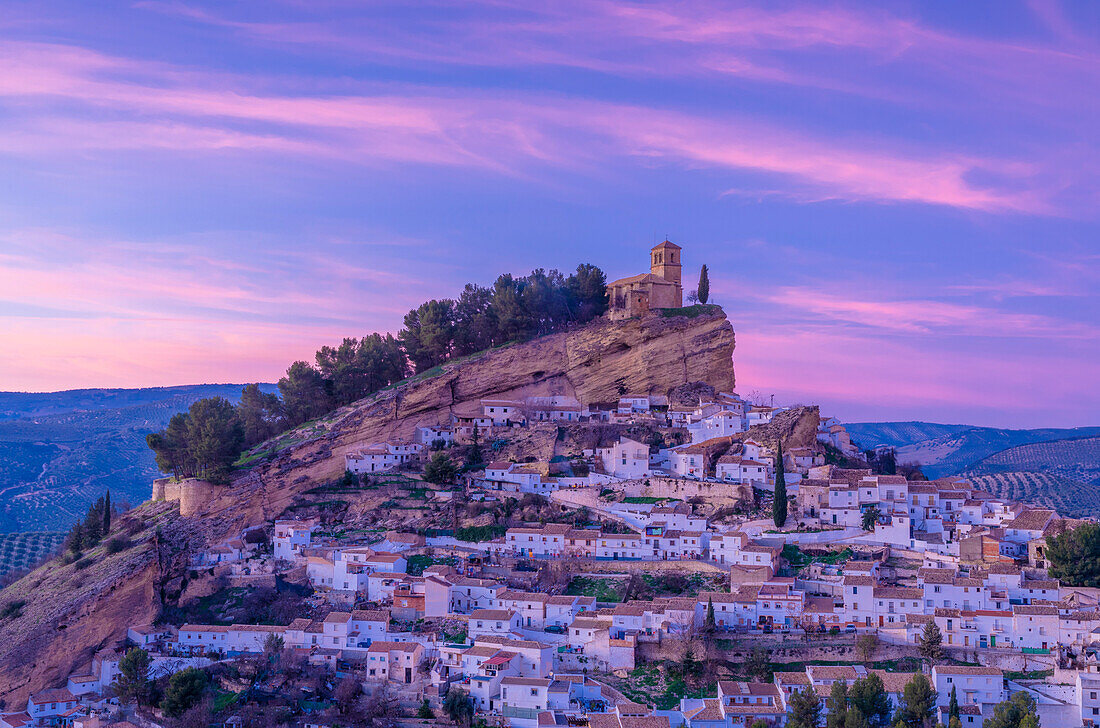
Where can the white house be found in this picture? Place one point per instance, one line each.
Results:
(973, 685)
(554, 409)
(633, 403)
(688, 461)
(523, 698)
(500, 622)
(502, 411)
(46, 704)
(1088, 696)
(720, 424)
(291, 537)
(381, 456)
(735, 469)
(626, 459)
(426, 436)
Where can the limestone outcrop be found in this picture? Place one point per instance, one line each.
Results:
(596, 363)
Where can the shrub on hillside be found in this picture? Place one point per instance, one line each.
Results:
(118, 544)
(13, 609)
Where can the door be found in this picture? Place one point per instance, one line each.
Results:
(880, 620)
(992, 640)
(408, 675)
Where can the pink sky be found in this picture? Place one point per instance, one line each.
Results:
(897, 204)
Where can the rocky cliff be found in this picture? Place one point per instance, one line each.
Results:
(596, 363)
(61, 614)
(54, 620)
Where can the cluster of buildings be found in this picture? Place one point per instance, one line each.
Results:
(978, 572)
(710, 422)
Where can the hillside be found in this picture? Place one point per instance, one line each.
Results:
(950, 449)
(595, 363)
(1068, 497)
(61, 450)
(298, 471)
(899, 434)
(1064, 474)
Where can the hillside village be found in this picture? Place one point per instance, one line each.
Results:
(693, 559)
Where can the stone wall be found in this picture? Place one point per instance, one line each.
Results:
(192, 494)
(683, 488)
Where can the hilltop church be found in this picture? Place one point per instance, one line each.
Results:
(660, 288)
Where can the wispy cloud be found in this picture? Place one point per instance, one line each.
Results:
(475, 129)
(916, 316)
(898, 206)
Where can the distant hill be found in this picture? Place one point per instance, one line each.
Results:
(950, 449)
(899, 434)
(1064, 474)
(59, 451)
(1068, 497)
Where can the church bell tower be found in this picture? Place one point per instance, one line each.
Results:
(665, 261)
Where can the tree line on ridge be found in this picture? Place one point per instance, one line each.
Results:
(207, 440)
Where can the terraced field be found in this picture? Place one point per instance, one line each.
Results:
(1068, 497)
(1076, 459)
(950, 449)
(22, 550)
(1062, 474)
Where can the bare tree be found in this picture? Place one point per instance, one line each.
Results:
(866, 645)
(347, 694)
(380, 709)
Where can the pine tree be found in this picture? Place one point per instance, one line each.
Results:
(690, 666)
(918, 703)
(107, 514)
(757, 664)
(132, 682)
(704, 285)
(75, 539)
(93, 524)
(868, 697)
(805, 709)
(779, 505)
(931, 642)
(837, 705)
(475, 456)
(856, 719)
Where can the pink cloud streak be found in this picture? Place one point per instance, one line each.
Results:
(476, 129)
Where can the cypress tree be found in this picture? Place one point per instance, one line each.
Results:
(107, 514)
(779, 505)
(704, 285)
(953, 705)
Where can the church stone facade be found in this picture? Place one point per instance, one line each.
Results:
(660, 288)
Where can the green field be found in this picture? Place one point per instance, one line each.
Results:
(605, 590)
(23, 550)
